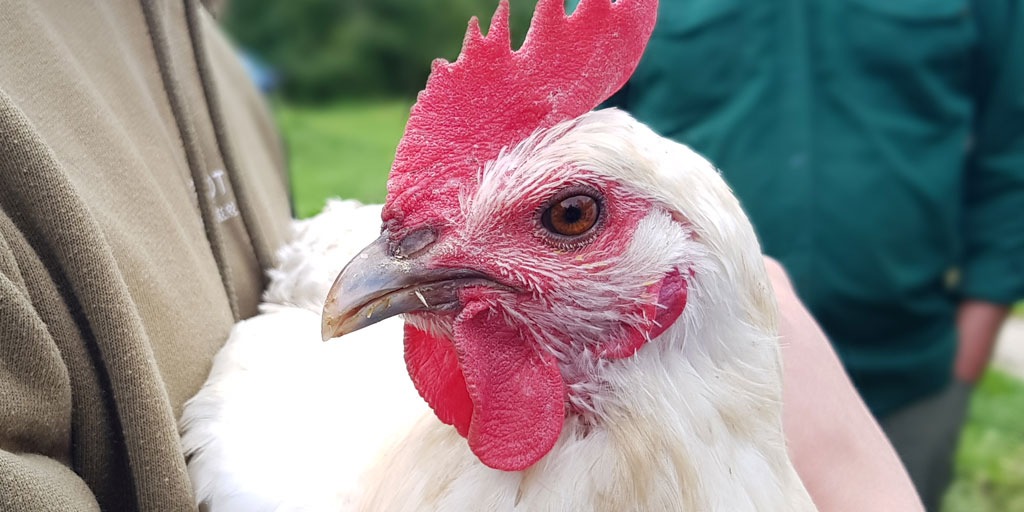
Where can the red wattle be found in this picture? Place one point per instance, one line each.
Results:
(517, 391)
(501, 393)
(434, 369)
(504, 396)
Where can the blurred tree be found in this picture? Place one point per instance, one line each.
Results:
(326, 49)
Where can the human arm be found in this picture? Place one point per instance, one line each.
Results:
(841, 454)
(993, 263)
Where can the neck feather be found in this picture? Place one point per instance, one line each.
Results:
(684, 427)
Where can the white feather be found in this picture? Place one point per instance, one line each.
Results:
(692, 422)
(286, 421)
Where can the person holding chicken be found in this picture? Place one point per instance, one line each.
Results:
(878, 148)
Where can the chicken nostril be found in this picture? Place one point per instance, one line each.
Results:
(414, 242)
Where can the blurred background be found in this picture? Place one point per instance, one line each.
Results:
(341, 76)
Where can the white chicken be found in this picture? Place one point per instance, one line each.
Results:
(588, 322)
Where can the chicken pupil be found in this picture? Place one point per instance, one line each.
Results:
(573, 214)
(577, 210)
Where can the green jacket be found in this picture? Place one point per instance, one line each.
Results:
(878, 146)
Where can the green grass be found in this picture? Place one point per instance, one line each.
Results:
(346, 151)
(342, 150)
(990, 460)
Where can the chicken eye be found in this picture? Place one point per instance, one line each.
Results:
(572, 216)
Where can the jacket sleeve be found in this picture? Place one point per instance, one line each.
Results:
(35, 408)
(993, 262)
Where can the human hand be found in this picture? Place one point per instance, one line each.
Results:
(978, 325)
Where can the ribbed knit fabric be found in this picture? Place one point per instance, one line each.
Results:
(126, 252)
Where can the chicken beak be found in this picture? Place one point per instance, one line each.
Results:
(377, 285)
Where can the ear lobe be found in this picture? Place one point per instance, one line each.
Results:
(671, 292)
(671, 302)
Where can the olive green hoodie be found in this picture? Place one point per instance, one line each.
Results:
(142, 192)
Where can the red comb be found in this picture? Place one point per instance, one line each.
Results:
(492, 97)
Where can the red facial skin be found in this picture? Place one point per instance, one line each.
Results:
(492, 97)
(492, 379)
